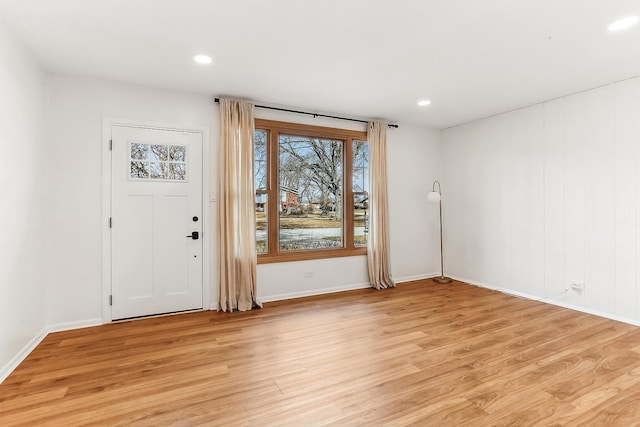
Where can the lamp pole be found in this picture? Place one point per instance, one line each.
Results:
(442, 278)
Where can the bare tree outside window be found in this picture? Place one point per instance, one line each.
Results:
(310, 179)
(157, 162)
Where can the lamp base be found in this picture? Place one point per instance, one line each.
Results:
(442, 279)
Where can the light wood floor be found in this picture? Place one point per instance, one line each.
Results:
(423, 354)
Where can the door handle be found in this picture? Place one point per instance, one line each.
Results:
(194, 235)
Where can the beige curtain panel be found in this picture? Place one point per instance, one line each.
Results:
(378, 249)
(236, 208)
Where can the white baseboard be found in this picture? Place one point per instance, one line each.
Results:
(475, 283)
(414, 278)
(68, 326)
(352, 287)
(6, 370)
(548, 300)
(313, 292)
(22, 354)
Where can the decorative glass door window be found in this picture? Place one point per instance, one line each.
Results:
(157, 162)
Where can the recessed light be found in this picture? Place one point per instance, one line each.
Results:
(623, 23)
(424, 103)
(202, 59)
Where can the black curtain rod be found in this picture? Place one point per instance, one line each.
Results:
(391, 125)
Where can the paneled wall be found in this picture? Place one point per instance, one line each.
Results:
(540, 198)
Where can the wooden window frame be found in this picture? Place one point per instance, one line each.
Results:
(274, 129)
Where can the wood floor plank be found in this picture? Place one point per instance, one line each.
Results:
(420, 354)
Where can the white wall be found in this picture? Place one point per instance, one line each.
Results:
(546, 196)
(75, 111)
(23, 209)
(76, 108)
(413, 163)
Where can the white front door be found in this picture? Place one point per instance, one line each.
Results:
(156, 229)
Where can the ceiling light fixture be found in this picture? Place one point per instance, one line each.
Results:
(424, 103)
(202, 59)
(623, 23)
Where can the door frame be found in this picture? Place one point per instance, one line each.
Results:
(107, 124)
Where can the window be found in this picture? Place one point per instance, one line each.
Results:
(312, 188)
(360, 191)
(157, 162)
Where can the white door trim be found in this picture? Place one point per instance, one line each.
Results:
(107, 124)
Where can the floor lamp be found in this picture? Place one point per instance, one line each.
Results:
(436, 197)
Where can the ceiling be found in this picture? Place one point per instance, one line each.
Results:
(369, 59)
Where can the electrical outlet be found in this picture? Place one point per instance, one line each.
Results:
(579, 286)
(308, 274)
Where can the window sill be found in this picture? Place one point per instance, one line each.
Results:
(309, 255)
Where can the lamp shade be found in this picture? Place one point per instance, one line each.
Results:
(433, 197)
